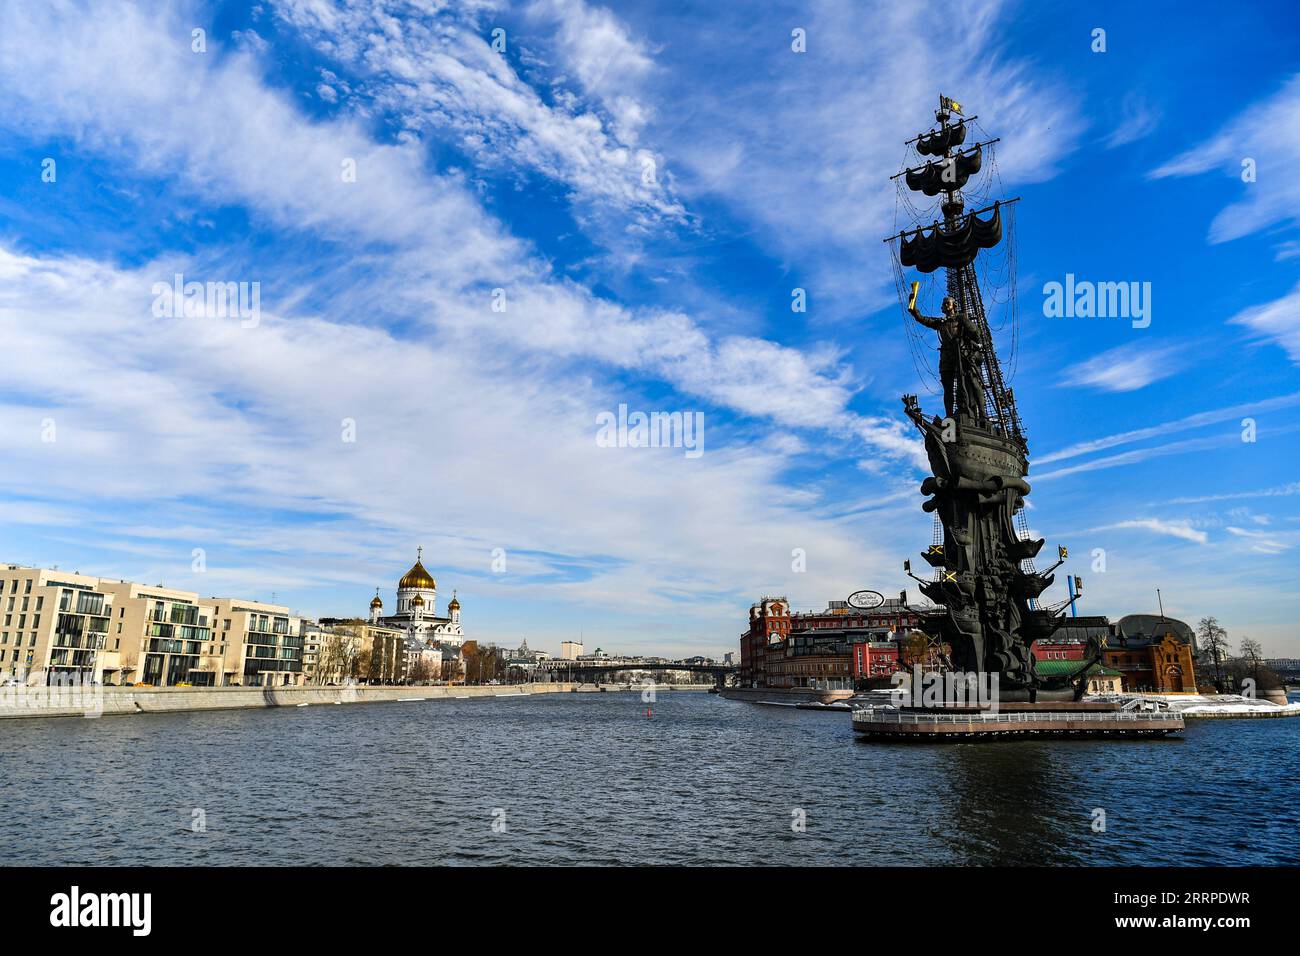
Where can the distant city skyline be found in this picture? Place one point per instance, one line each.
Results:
(449, 257)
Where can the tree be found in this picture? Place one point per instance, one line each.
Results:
(361, 664)
(915, 649)
(421, 671)
(334, 659)
(1253, 656)
(1214, 644)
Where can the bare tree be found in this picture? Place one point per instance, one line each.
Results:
(335, 657)
(1253, 656)
(421, 671)
(361, 665)
(1213, 643)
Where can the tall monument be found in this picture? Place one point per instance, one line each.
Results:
(982, 554)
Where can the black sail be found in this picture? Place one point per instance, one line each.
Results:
(937, 248)
(938, 142)
(929, 178)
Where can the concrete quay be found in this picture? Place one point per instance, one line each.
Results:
(1027, 720)
(19, 702)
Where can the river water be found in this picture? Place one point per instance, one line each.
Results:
(590, 778)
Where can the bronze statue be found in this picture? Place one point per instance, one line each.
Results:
(984, 579)
(960, 356)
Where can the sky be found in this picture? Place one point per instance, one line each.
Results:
(475, 227)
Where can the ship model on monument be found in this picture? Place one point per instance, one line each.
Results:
(984, 580)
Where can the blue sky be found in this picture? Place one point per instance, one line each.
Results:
(525, 170)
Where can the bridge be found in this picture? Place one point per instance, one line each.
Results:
(591, 671)
(1287, 668)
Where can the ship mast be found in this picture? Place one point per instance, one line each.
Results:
(953, 245)
(1000, 413)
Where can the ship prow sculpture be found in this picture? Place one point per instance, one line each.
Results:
(982, 555)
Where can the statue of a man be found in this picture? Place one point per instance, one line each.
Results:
(959, 357)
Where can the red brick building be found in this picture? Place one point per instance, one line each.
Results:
(873, 659)
(794, 649)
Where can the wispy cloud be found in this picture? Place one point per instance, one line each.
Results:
(1266, 133)
(1264, 542)
(1278, 491)
(1126, 368)
(1143, 454)
(1197, 420)
(443, 76)
(1278, 320)
(1138, 119)
(1172, 529)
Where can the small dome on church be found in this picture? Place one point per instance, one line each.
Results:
(455, 604)
(375, 602)
(417, 601)
(418, 578)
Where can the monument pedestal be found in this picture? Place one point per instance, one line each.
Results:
(1014, 719)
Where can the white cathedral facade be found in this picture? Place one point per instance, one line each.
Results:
(417, 609)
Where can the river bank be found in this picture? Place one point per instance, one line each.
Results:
(99, 701)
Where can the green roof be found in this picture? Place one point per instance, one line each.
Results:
(1056, 668)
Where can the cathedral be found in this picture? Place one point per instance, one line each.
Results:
(417, 609)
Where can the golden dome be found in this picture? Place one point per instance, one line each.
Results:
(417, 577)
(455, 604)
(375, 602)
(417, 601)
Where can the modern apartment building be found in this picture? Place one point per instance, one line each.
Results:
(52, 622)
(57, 623)
(263, 643)
(160, 636)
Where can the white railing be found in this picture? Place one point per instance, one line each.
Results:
(865, 714)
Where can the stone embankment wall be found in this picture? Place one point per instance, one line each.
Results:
(111, 701)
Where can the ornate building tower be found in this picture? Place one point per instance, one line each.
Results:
(417, 583)
(417, 609)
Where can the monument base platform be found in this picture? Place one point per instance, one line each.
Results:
(1084, 719)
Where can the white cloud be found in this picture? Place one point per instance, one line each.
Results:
(441, 75)
(1138, 119)
(1197, 420)
(1125, 368)
(607, 60)
(1264, 542)
(1173, 529)
(1278, 320)
(1279, 491)
(1267, 133)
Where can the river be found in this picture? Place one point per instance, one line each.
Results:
(590, 778)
